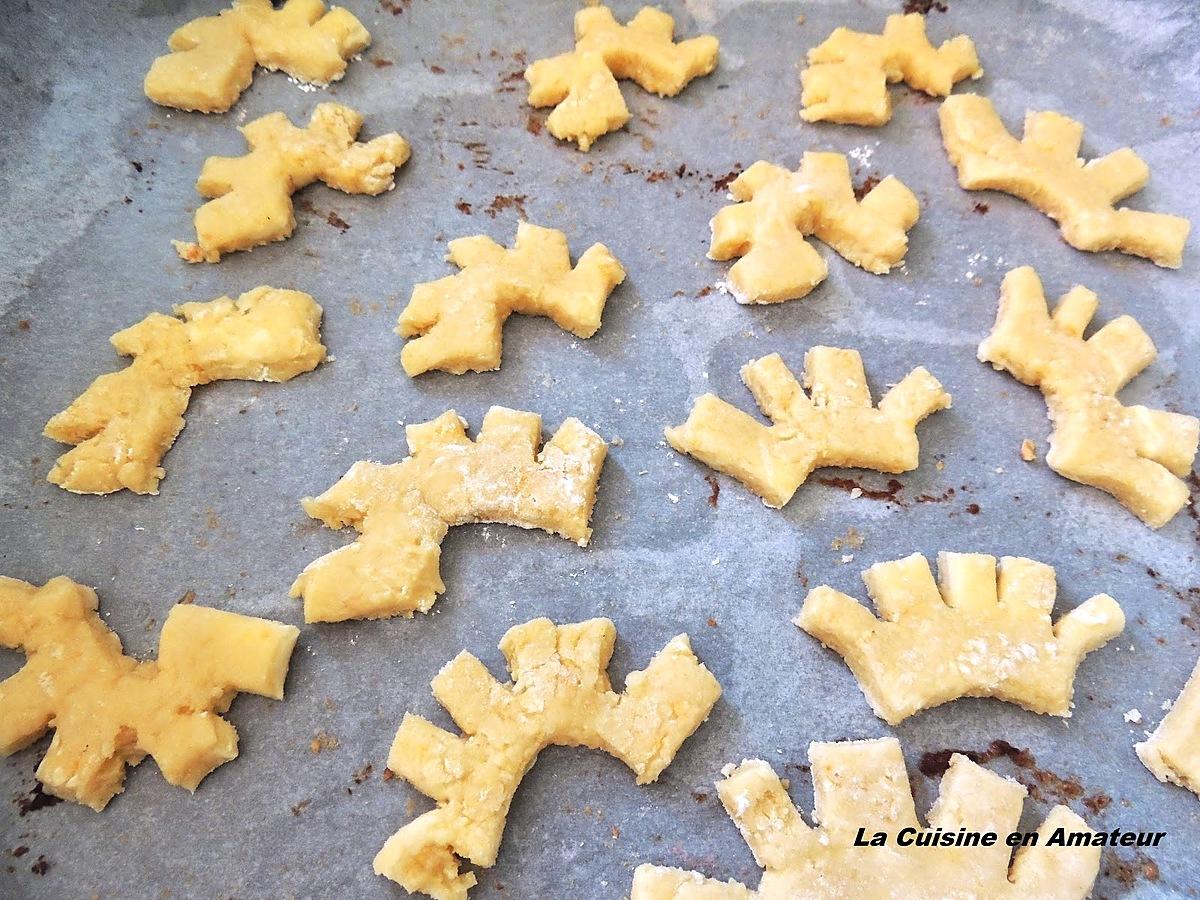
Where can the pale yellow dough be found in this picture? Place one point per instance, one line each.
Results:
(863, 784)
(977, 632)
(1044, 170)
(1172, 753)
(1137, 454)
(458, 321)
(108, 710)
(125, 421)
(403, 511)
(848, 75)
(833, 425)
(252, 194)
(582, 85)
(212, 59)
(779, 208)
(559, 695)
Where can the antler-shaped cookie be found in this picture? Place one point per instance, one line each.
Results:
(252, 194)
(1044, 170)
(403, 511)
(582, 85)
(1172, 753)
(1137, 454)
(212, 59)
(559, 694)
(460, 318)
(860, 788)
(125, 421)
(979, 633)
(778, 208)
(833, 425)
(108, 710)
(847, 76)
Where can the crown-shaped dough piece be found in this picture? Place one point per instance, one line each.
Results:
(459, 320)
(1044, 170)
(863, 784)
(847, 76)
(582, 85)
(834, 424)
(778, 208)
(559, 695)
(109, 710)
(403, 511)
(1137, 454)
(212, 59)
(252, 194)
(125, 421)
(977, 633)
(1172, 753)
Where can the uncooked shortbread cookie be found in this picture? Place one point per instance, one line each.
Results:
(1137, 454)
(1173, 752)
(582, 85)
(458, 321)
(779, 208)
(252, 194)
(1044, 170)
(125, 421)
(976, 633)
(559, 695)
(403, 511)
(212, 59)
(833, 425)
(864, 785)
(109, 710)
(847, 76)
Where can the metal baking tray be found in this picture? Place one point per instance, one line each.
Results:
(97, 181)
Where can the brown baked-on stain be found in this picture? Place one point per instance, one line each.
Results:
(724, 181)
(189, 597)
(41, 867)
(337, 222)
(533, 124)
(436, 69)
(380, 62)
(973, 508)
(395, 7)
(24, 325)
(1097, 803)
(849, 484)
(1043, 785)
(35, 799)
(715, 489)
(925, 7)
(981, 208)
(502, 202)
(865, 187)
(1127, 872)
(463, 207)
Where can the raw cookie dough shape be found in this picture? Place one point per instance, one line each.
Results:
(582, 85)
(863, 784)
(833, 425)
(252, 195)
(1172, 753)
(458, 321)
(559, 695)
(1137, 454)
(109, 710)
(403, 511)
(1044, 170)
(848, 74)
(778, 208)
(977, 632)
(212, 59)
(125, 421)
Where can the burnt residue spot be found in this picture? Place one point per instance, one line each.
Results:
(436, 69)
(925, 7)
(18, 852)
(849, 484)
(533, 124)
(1128, 871)
(1097, 803)
(137, 166)
(41, 867)
(337, 222)
(24, 325)
(705, 291)
(865, 186)
(395, 7)
(502, 202)
(36, 799)
(380, 63)
(981, 208)
(973, 508)
(699, 796)
(714, 490)
(947, 494)
(363, 774)
(189, 597)
(463, 207)
(724, 181)
(1043, 785)
(480, 154)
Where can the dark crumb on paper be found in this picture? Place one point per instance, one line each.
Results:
(189, 597)
(36, 799)
(656, 176)
(363, 774)
(128, 199)
(712, 623)
(24, 325)
(136, 165)
(849, 484)
(533, 124)
(865, 187)
(727, 179)
(437, 70)
(395, 7)
(1097, 803)
(1128, 871)
(973, 508)
(323, 741)
(715, 489)
(463, 207)
(801, 575)
(945, 495)
(388, 775)
(699, 796)
(380, 63)
(925, 7)
(18, 852)
(41, 867)
(1044, 786)
(981, 208)
(502, 202)
(703, 292)
(337, 222)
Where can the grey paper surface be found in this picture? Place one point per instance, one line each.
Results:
(95, 183)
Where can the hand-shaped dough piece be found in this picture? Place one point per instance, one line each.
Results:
(1137, 454)
(976, 633)
(833, 425)
(1044, 170)
(1172, 753)
(109, 710)
(212, 59)
(403, 511)
(863, 784)
(778, 208)
(125, 421)
(559, 695)
(252, 194)
(459, 320)
(582, 85)
(848, 75)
